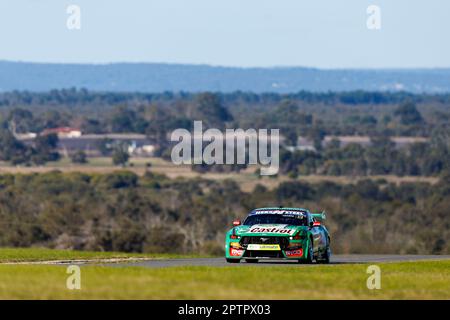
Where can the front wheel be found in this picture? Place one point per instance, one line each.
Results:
(233, 260)
(309, 254)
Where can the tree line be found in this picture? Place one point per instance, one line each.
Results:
(124, 212)
(381, 157)
(310, 115)
(303, 113)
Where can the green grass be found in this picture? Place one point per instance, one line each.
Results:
(42, 254)
(409, 280)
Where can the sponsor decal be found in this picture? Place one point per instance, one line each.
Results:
(286, 212)
(271, 230)
(294, 253)
(269, 247)
(236, 252)
(235, 245)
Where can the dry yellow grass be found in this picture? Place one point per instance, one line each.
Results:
(246, 178)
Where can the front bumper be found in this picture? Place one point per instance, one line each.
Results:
(274, 248)
(280, 254)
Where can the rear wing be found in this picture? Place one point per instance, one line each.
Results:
(319, 216)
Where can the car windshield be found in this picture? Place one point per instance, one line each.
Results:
(292, 219)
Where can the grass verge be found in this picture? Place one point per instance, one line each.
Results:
(408, 280)
(42, 254)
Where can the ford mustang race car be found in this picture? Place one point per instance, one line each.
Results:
(279, 233)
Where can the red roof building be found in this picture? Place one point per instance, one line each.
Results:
(63, 132)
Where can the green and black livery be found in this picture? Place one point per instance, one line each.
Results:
(279, 233)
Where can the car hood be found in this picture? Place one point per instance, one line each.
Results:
(268, 230)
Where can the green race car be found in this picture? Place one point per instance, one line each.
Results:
(279, 233)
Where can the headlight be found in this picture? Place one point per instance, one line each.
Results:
(298, 236)
(235, 245)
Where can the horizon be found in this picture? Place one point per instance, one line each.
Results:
(226, 66)
(160, 77)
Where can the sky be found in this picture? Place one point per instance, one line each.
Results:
(244, 33)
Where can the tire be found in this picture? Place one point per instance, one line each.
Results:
(251, 260)
(310, 256)
(233, 260)
(325, 257)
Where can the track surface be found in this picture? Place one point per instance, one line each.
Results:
(336, 259)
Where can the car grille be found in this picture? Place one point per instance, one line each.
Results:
(263, 254)
(282, 241)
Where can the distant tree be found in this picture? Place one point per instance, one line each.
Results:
(291, 136)
(408, 114)
(353, 151)
(317, 135)
(127, 120)
(21, 120)
(104, 146)
(92, 126)
(119, 179)
(162, 123)
(79, 157)
(49, 141)
(369, 119)
(209, 108)
(363, 120)
(12, 149)
(120, 156)
(287, 113)
(123, 120)
(45, 149)
(367, 189)
(335, 144)
(52, 119)
(294, 189)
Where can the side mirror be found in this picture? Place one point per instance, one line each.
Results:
(236, 223)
